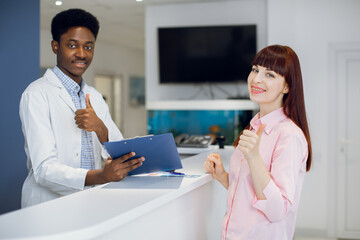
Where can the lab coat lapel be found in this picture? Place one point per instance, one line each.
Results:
(63, 94)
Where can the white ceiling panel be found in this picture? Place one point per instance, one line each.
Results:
(121, 21)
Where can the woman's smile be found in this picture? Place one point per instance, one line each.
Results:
(257, 90)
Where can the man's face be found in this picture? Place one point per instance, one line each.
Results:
(74, 51)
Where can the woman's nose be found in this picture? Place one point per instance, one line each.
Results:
(258, 77)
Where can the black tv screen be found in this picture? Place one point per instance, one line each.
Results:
(211, 54)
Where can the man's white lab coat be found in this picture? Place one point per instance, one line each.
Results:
(53, 140)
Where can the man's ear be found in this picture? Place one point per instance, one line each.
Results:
(55, 46)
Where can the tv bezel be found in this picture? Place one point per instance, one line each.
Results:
(237, 81)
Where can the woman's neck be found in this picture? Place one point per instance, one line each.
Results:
(266, 109)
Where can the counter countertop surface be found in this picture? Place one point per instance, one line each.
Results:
(95, 211)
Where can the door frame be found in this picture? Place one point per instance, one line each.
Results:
(339, 55)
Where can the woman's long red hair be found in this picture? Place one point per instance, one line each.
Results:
(284, 61)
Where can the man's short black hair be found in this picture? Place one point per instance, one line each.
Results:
(65, 20)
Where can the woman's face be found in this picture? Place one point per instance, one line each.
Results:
(267, 88)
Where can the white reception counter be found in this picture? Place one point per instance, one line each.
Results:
(137, 208)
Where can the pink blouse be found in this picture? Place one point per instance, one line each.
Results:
(284, 150)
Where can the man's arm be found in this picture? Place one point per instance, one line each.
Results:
(114, 169)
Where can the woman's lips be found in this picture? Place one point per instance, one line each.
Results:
(257, 90)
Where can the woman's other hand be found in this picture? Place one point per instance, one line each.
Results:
(213, 165)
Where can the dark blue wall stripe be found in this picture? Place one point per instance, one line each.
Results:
(19, 65)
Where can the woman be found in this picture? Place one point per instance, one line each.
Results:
(272, 154)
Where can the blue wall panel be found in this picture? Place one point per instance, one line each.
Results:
(19, 65)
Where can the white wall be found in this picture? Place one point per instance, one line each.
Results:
(114, 60)
(197, 14)
(308, 27)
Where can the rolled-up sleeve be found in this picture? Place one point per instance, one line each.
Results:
(287, 164)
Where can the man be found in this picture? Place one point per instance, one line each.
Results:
(65, 122)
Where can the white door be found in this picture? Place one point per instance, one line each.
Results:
(348, 142)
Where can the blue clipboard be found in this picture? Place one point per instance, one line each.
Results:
(160, 152)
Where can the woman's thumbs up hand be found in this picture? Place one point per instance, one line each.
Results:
(249, 143)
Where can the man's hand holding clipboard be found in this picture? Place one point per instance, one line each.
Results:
(115, 169)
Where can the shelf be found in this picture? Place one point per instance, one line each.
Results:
(202, 105)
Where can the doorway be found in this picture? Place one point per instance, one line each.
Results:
(111, 89)
(344, 116)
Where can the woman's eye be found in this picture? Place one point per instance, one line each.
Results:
(255, 70)
(270, 75)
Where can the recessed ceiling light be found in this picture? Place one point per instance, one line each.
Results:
(139, 0)
(58, 3)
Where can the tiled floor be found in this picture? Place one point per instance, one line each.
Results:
(302, 238)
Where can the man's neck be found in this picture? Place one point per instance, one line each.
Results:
(77, 79)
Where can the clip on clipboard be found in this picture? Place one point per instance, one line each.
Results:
(159, 151)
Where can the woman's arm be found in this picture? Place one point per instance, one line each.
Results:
(249, 146)
(275, 195)
(259, 175)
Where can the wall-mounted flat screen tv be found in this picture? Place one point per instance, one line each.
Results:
(210, 54)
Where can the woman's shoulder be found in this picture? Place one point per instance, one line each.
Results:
(288, 129)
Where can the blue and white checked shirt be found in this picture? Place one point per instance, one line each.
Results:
(78, 98)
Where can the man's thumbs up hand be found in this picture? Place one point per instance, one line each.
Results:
(87, 101)
(87, 120)
(249, 143)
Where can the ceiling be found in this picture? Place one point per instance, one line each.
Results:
(122, 22)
